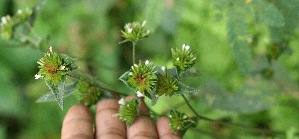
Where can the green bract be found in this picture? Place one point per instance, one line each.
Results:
(179, 121)
(128, 110)
(166, 85)
(183, 59)
(134, 32)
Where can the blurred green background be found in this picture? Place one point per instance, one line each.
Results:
(247, 66)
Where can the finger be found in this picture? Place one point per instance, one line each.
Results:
(77, 123)
(164, 130)
(142, 127)
(108, 126)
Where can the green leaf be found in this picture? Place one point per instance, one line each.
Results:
(237, 35)
(49, 97)
(153, 13)
(267, 13)
(250, 99)
(58, 91)
(185, 89)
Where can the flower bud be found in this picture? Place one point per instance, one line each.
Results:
(6, 28)
(53, 67)
(183, 59)
(179, 121)
(134, 32)
(128, 110)
(142, 78)
(166, 85)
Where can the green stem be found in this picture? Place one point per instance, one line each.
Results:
(76, 77)
(190, 107)
(133, 53)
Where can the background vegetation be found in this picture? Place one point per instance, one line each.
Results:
(247, 61)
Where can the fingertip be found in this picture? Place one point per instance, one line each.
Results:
(164, 130)
(77, 123)
(107, 124)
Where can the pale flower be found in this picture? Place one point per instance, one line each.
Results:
(139, 94)
(121, 101)
(37, 76)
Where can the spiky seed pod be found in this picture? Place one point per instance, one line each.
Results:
(128, 110)
(179, 121)
(183, 59)
(134, 32)
(166, 85)
(53, 67)
(142, 77)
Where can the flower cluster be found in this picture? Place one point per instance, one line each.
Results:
(8, 23)
(166, 85)
(142, 78)
(6, 27)
(53, 67)
(134, 32)
(179, 121)
(183, 59)
(22, 15)
(128, 110)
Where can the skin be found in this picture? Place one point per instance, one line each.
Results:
(77, 124)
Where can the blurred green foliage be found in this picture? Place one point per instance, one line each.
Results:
(247, 66)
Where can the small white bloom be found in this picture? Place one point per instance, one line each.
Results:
(135, 65)
(50, 49)
(4, 20)
(185, 116)
(143, 23)
(178, 59)
(163, 68)
(20, 11)
(37, 76)
(146, 62)
(139, 94)
(62, 67)
(130, 30)
(130, 73)
(185, 47)
(121, 101)
(170, 116)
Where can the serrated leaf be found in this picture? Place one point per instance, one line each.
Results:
(153, 13)
(58, 91)
(49, 97)
(237, 34)
(267, 13)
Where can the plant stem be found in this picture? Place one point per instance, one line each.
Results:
(76, 77)
(190, 107)
(133, 53)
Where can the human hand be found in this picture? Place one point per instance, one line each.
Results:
(77, 124)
